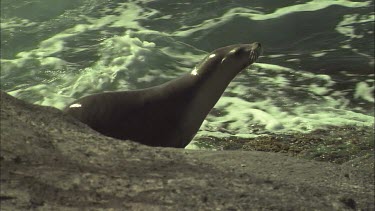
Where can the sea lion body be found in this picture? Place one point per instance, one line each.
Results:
(170, 114)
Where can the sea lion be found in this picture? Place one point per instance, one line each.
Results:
(170, 114)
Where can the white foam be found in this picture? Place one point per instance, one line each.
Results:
(313, 5)
(347, 25)
(118, 54)
(243, 114)
(309, 113)
(364, 91)
(257, 15)
(14, 23)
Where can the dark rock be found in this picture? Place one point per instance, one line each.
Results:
(50, 161)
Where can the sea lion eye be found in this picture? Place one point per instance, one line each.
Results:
(239, 51)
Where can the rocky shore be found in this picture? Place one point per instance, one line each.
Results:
(50, 161)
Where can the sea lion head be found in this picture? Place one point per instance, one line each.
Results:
(241, 55)
(234, 57)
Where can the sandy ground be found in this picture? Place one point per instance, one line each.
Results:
(49, 161)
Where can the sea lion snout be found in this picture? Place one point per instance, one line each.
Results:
(257, 49)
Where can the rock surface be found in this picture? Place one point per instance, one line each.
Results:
(49, 161)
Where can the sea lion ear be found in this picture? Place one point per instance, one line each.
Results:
(238, 51)
(212, 58)
(210, 62)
